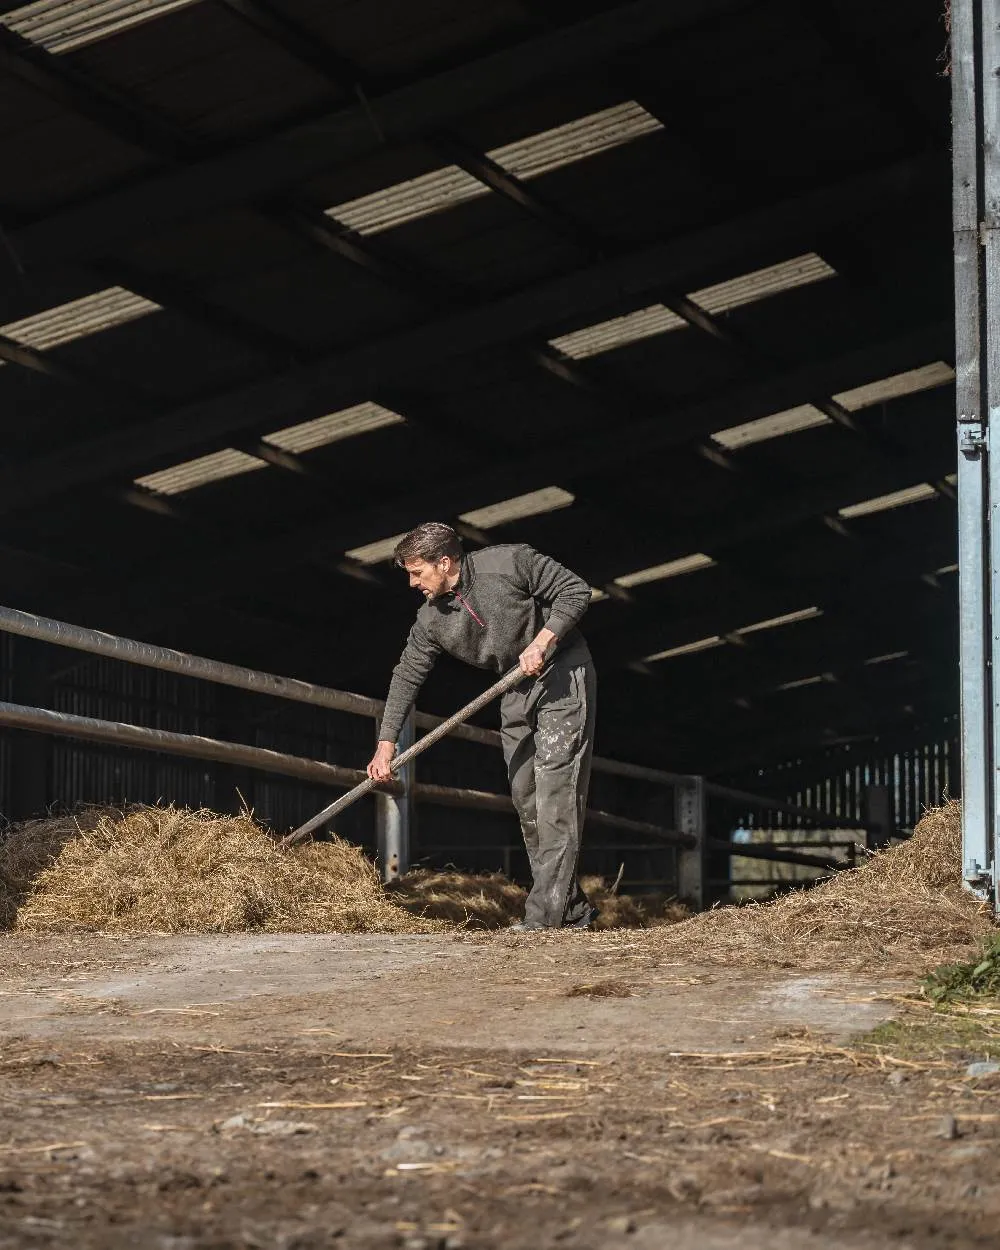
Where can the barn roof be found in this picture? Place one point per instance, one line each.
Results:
(663, 289)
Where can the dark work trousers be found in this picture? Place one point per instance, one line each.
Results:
(547, 728)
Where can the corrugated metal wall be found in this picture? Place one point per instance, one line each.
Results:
(919, 775)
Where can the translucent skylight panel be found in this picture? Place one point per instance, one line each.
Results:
(897, 499)
(786, 276)
(688, 648)
(527, 158)
(548, 499)
(644, 323)
(346, 423)
(774, 622)
(79, 318)
(407, 201)
(375, 553)
(619, 331)
(193, 473)
(576, 140)
(61, 25)
(673, 568)
(802, 681)
(804, 417)
(909, 383)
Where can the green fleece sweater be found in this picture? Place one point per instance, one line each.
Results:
(504, 596)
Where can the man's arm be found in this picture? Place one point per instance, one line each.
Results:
(408, 676)
(566, 594)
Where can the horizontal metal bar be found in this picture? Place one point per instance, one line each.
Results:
(637, 772)
(723, 882)
(168, 660)
(63, 724)
(759, 850)
(778, 805)
(482, 800)
(194, 746)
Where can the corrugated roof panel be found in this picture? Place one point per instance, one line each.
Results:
(407, 201)
(655, 319)
(909, 383)
(548, 499)
(375, 553)
(725, 296)
(193, 473)
(887, 658)
(897, 499)
(527, 158)
(65, 323)
(61, 25)
(703, 644)
(789, 618)
(673, 568)
(804, 417)
(802, 681)
(576, 140)
(619, 331)
(322, 431)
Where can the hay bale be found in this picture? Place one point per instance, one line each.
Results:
(169, 869)
(486, 900)
(904, 910)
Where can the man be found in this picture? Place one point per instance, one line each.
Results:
(496, 608)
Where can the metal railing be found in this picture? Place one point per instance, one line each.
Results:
(395, 801)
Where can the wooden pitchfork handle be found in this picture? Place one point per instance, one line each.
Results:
(507, 682)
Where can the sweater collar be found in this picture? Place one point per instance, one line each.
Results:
(466, 575)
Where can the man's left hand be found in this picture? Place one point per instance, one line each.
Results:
(532, 659)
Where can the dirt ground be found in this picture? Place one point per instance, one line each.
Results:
(479, 1091)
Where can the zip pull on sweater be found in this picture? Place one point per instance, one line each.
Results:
(469, 608)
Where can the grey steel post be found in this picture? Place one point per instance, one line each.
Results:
(394, 812)
(977, 554)
(689, 818)
(989, 15)
(878, 816)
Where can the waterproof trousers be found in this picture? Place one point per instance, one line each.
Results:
(547, 728)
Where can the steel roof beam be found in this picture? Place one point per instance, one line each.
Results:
(349, 376)
(266, 167)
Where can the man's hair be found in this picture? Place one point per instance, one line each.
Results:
(431, 541)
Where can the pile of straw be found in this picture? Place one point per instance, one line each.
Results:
(27, 849)
(168, 869)
(904, 911)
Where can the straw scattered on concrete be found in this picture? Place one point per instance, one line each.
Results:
(904, 910)
(492, 901)
(169, 869)
(486, 900)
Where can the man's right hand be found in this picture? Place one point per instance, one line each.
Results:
(378, 768)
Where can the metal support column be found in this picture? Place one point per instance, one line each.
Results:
(692, 861)
(877, 813)
(394, 812)
(976, 216)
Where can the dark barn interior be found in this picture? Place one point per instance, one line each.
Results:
(662, 289)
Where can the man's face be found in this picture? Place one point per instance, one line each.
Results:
(431, 579)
